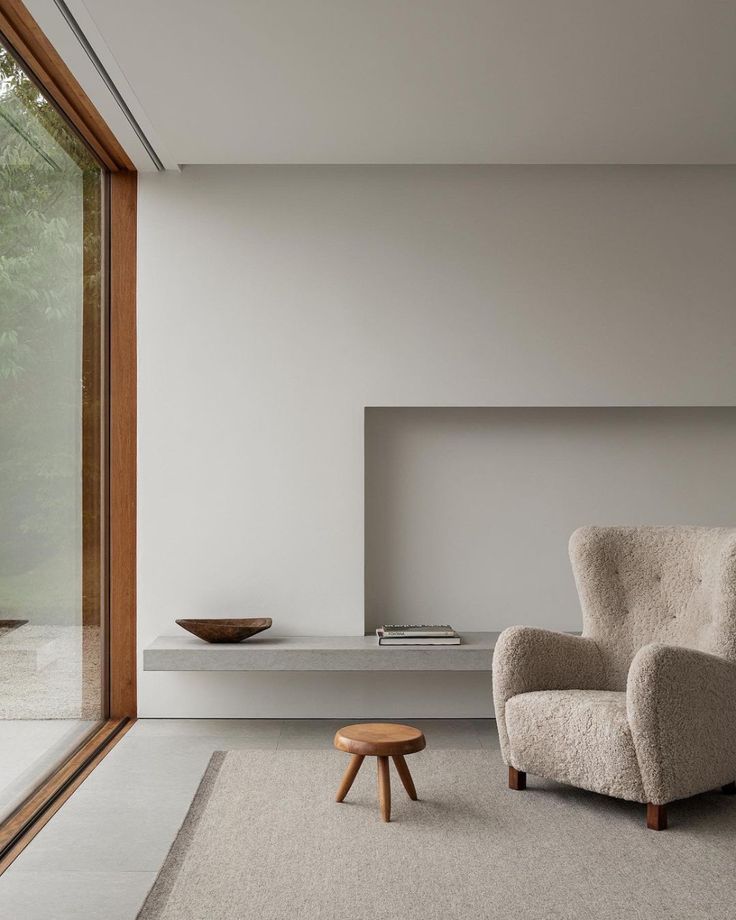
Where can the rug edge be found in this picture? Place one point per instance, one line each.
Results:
(167, 875)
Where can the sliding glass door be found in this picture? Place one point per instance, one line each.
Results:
(52, 437)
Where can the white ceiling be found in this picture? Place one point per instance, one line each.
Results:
(428, 81)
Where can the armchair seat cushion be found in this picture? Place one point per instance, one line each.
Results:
(581, 737)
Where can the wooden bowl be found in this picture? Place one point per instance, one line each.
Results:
(225, 630)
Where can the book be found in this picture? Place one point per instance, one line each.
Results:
(420, 640)
(417, 635)
(405, 631)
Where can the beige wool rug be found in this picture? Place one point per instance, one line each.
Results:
(264, 839)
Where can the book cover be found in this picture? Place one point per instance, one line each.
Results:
(409, 630)
(420, 640)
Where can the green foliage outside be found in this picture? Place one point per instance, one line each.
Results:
(49, 252)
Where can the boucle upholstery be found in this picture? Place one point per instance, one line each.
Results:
(581, 737)
(659, 646)
(681, 705)
(527, 659)
(674, 585)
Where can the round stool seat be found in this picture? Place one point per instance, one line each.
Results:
(380, 739)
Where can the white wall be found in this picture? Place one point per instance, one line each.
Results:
(275, 304)
(469, 511)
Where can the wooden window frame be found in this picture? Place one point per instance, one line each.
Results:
(23, 34)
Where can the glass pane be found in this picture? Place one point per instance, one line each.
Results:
(51, 412)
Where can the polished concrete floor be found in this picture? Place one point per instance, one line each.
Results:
(99, 855)
(29, 750)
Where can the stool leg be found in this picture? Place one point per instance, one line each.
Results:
(347, 781)
(384, 788)
(402, 768)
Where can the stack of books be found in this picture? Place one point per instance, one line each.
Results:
(404, 634)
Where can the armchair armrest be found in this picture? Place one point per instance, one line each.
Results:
(527, 659)
(681, 706)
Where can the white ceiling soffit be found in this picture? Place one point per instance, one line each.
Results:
(50, 17)
(425, 81)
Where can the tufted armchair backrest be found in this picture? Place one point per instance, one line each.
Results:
(675, 585)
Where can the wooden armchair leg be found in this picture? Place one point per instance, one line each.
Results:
(729, 789)
(517, 779)
(656, 817)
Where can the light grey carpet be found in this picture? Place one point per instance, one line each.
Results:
(264, 839)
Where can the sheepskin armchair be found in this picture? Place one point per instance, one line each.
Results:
(642, 705)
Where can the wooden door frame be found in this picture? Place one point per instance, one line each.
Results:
(23, 35)
(28, 41)
(122, 465)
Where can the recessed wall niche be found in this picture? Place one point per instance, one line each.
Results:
(468, 510)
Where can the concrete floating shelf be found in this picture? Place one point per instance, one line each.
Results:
(318, 653)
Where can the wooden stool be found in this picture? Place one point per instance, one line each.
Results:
(381, 740)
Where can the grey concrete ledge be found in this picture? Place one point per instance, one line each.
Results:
(317, 653)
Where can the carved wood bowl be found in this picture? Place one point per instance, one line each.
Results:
(225, 630)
